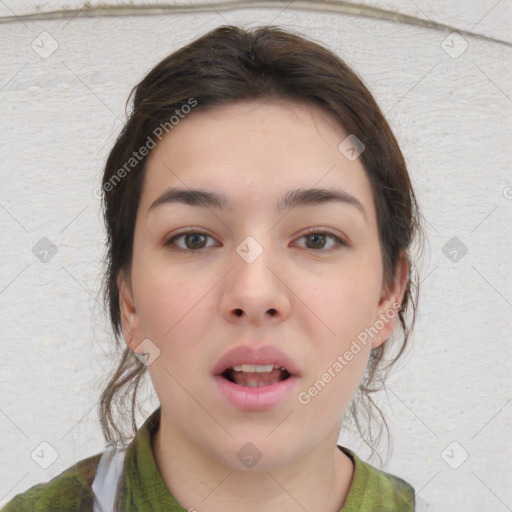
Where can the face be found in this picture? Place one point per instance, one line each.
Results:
(253, 306)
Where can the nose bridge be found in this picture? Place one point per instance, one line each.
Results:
(253, 263)
(250, 250)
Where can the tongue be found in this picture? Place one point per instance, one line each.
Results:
(262, 378)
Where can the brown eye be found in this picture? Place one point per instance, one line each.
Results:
(195, 241)
(191, 241)
(317, 240)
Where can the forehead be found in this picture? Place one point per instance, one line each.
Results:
(277, 126)
(255, 151)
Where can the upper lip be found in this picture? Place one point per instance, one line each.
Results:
(263, 355)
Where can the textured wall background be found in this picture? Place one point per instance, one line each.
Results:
(64, 80)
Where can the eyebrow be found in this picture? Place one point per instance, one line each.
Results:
(292, 199)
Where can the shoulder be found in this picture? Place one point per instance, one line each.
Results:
(69, 491)
(374, 489)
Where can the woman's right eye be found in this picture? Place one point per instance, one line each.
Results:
(191, 241)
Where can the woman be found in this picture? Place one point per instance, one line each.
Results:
(259, 217)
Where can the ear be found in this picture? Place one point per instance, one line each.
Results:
(390, 302)
(129, 316)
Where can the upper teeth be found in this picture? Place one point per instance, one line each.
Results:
(252, 368)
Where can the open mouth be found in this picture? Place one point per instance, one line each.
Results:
(256, 378)
(256, 387)
(254, 375)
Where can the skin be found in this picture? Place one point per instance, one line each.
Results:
(323, 297)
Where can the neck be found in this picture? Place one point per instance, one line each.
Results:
(322, 476)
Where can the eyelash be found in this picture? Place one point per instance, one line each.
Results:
(171, 241)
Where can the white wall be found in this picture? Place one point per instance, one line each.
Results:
(452, 117)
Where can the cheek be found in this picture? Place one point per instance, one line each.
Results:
(168, 300)
(174, 317)
(347, 301)
(340, 344)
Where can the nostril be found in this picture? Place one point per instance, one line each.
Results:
(239, 312)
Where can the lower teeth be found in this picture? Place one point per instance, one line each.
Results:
(252, 382)
(256, 384)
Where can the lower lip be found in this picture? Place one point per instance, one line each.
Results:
(255, 399)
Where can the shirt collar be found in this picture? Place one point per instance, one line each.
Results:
(145, 488)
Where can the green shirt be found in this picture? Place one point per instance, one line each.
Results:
(142, 488)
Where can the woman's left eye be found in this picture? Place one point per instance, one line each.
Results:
(317, 240)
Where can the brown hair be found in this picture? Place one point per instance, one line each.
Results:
(228, 64)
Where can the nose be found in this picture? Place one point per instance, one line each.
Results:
(255, 291)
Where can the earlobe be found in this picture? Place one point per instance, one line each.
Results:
(390, 302)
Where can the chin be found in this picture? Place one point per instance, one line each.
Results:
(257, 453)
